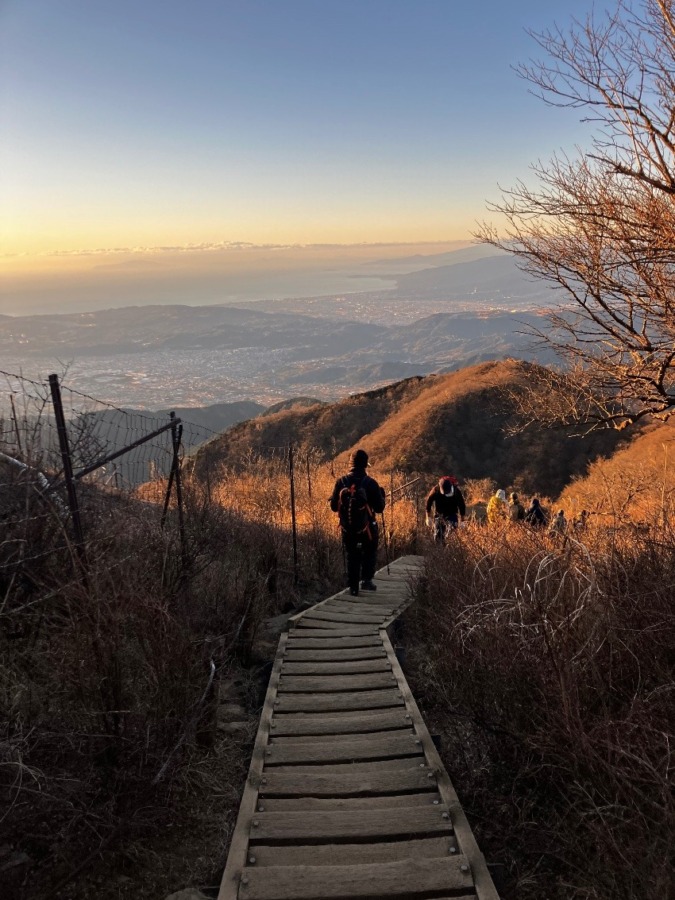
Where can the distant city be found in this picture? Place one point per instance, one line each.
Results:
(154, 357)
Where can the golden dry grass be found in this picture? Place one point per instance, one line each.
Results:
(546, 665)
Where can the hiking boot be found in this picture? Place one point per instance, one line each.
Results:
(368, 586)
(354, 592)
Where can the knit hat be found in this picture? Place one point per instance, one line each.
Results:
(501, 494)
(360, 459)
(447, 485)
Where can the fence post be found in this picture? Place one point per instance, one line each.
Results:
(391, 514)
(291, 473)
(16, 426)
(67, 465)
(176, 436)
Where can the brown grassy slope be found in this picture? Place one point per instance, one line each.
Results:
(636, 484)
(440, 423)
(453, 414)
(328, 428)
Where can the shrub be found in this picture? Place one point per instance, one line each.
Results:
(549, 668)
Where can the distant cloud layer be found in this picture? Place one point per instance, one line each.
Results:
(221, 246)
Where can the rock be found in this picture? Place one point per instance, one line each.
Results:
(226, 689)
(304, 606)
(233, 727)
(187, 894)
(16, 859)
(277, 624)
(231, 712)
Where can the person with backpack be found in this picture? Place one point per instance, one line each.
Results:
(559, 524)
(446, 499)
(356, 498)
(535, 515)
(516, 508)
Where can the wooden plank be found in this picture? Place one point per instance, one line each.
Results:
(332, 629)
(347, 616)
(305, 640)
(311, 621)
(338, 723)
(351, 854)
(313, 684)
(279, 752)
(385, 801)
(339, 667)
(335, 655)
(357, 604)
(363, 737)
(384, 604)
(400, 878)
(360, 606)
(329, 702)
(359, 737)
(401, 764)
(343, 784)
(340, 824)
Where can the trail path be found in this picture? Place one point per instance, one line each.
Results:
(346, 795)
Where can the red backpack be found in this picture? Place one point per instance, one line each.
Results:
(353, 510)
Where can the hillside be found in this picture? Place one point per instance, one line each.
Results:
(636, 484)
(329, 428)
(453, 422)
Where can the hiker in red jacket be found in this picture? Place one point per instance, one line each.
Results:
(356, 499)
(446, 500)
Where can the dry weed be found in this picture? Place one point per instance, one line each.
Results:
(551, 664)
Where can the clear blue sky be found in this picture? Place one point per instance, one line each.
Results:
(147, 123)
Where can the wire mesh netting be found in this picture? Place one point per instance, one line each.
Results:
(112, 453)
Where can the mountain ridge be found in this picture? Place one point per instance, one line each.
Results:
(454, 422)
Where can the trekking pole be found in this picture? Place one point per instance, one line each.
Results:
(386, 544)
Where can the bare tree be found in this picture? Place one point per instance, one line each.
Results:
(601, 226)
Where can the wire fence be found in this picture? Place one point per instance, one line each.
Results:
(70, 462)
(68, 459)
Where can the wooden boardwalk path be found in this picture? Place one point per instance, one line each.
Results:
(346, 795)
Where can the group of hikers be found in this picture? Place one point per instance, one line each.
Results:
(447, 503)
(357, 498)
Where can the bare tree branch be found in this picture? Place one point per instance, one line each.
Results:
(601, 227)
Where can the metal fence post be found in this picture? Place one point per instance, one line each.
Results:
(67, 464)
(291, 472)
(176, 436)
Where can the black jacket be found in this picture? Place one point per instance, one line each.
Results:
(374, 492)
(446, 505)
(535, 515)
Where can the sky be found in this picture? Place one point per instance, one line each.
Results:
(154, 137)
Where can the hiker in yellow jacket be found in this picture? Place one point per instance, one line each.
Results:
(497, 508)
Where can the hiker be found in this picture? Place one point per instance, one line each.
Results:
(581, 524)
(535, 514)
(516, 508)
(497, 509)
(356, 499)
(447, 501)
(559, 523)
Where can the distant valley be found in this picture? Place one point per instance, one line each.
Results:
(439, 318)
